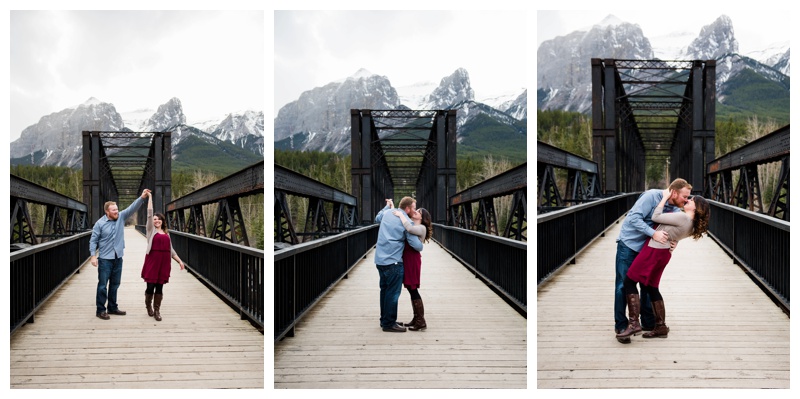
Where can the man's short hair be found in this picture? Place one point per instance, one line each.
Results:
(406, 202)
(108, 204)
(679, 184)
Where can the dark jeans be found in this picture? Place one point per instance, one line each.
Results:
(391, 283)
(625, 257)
(109, 273)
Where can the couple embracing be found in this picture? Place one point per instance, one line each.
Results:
(399, 261)
(646, 240)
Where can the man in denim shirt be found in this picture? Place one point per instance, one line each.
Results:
(108, 236)
(636, 229)
(392, 237)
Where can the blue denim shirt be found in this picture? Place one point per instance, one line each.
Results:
(392, 237)
(109, 235)
(638, 225)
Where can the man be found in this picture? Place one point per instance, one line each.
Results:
(108, 238)
(392, 238)
(636, 229)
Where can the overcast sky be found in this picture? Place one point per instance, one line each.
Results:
(753, 29)
(213, 61)
(314, 48)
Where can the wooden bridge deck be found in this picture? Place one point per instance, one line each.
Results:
(474, 339)
(200, 343)
(724, 331)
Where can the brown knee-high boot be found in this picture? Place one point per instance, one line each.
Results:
(157, 306)
(413, 320)
(148, 303)
(419, 312)
(661, 329)
(634, 327)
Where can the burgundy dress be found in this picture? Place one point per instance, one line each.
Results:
(158, 262)
(412, 265)
(649, 265)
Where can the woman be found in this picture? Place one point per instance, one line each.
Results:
(649, 265)
(412, 264)
(157, 263)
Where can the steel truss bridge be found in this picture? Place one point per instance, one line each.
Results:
(117, 166)
(662, 112)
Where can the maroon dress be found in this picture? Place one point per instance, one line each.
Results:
(412, 265)
(649, 265)
(158, 262)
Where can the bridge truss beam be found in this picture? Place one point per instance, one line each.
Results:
(229, 223)
(655, 111)
(64, 216)
(513, 182)
(321, 198)
(582, 177)
(404, 153)
(771, 148)
(117, 166)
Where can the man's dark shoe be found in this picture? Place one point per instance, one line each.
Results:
(103, 316)
(118, 312)
(394, 328)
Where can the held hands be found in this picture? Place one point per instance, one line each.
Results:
(146, 193)
(389, 202)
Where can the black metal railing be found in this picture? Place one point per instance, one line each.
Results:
(306, 272)
(499, 262)
(38, 271)
(563, 234)
(234, 272)
(758, 243)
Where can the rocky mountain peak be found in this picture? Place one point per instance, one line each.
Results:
(167, 116)
(715, 41)
(452, 90)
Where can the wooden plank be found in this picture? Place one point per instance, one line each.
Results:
(724, 331)
(474, 339)
(200, 343)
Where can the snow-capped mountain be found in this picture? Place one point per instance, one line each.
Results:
(453, 89)
(243, 129)
(325, 111)
(168, 116)
(564, 70)
(57, 138)
(564, 63)
(713, 42)
(320, 119)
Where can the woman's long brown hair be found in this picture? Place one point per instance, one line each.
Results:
(426, 221)
(163, 222)
(702, 213)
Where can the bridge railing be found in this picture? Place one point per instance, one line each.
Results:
(234, 272)
(499, 262)
(38, 271)
(758, 243)
(304, 273)
(563, 234)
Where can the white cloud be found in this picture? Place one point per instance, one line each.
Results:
(213, 61)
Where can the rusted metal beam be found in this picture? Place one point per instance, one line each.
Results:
(769, 148)
(545, 153)
(247, 181)
(505, 183)
(293, 183)
(32, 192)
